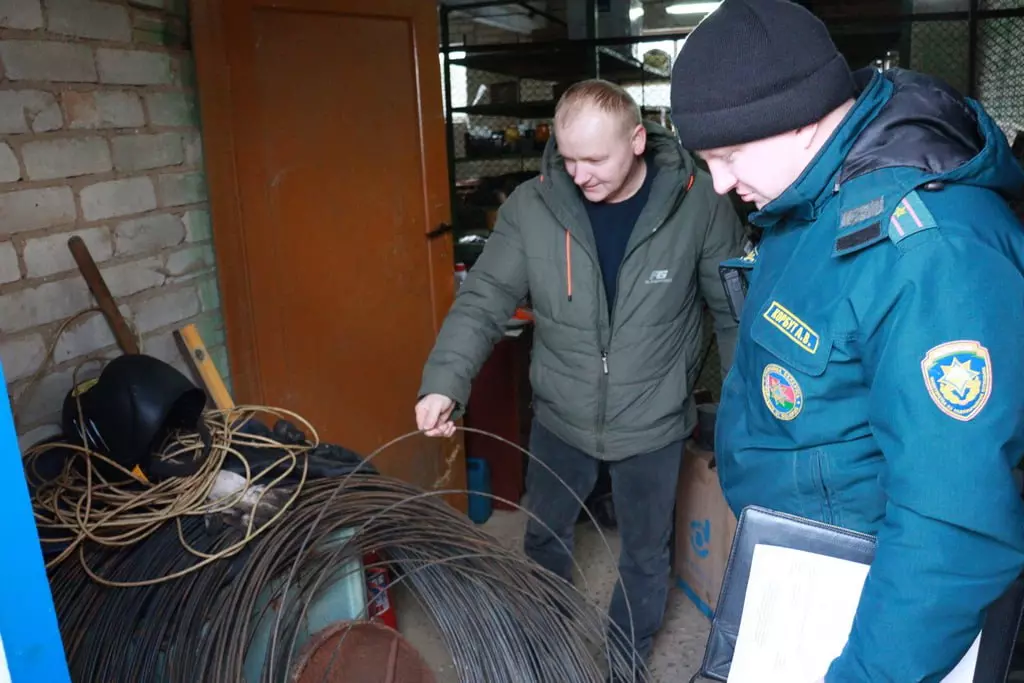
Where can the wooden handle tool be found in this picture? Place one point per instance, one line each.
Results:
(122, 332)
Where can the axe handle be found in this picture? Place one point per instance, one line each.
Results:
(122, 333)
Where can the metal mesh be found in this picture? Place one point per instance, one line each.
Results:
(1000, 68)
(710, 377)
(985, 5)
(940, 48)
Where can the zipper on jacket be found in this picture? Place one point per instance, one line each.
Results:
(602, 400)
(568, 265)
(828, 514)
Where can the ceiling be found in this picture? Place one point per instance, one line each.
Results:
(615, 17)
(555, 19)
(656, 18)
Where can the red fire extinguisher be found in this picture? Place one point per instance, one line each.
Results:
(378, 580)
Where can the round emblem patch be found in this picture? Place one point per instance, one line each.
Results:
(781, 392)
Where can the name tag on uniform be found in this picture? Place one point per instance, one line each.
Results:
(799, 332)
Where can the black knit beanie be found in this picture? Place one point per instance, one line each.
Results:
(753, 69)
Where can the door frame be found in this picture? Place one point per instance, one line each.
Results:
(213, 83)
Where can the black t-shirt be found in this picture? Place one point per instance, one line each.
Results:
(612, 225)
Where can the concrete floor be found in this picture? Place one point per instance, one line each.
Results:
(677, 650)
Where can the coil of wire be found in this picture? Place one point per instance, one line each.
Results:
(166, 585)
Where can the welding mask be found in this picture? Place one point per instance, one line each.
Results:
(128, 412)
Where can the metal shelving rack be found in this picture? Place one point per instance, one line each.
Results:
(976, 48)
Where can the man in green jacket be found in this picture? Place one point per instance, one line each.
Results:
(617, 242)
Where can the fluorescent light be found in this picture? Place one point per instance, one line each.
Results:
(635, 13)
(692, 8)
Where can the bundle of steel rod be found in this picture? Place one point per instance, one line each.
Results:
(168, 591)
(502, 617)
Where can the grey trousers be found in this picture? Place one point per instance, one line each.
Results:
(643, 492)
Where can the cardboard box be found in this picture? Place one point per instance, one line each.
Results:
(705, 527)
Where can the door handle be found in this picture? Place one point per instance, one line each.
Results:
(442, 229)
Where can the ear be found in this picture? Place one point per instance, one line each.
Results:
(805, 136)
(639, 140)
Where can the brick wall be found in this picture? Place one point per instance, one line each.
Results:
(99, 137)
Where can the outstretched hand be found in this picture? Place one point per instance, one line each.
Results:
(433, 415)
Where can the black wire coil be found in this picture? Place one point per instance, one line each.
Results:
(502, 617)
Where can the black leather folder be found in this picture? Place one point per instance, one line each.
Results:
(758, 525)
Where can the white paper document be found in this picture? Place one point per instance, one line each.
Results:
(797, 616)
(5, 673)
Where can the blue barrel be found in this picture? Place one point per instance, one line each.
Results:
(478, 476)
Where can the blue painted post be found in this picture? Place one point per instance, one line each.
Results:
(31, 641)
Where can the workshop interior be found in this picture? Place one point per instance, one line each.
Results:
(229, 233)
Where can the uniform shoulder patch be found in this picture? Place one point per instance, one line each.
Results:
(864, 212)
(910, 216)
(861, 225)
(958, 375)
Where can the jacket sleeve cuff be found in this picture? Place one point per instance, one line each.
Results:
(445, 384)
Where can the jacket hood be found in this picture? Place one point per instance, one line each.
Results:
(916, 127)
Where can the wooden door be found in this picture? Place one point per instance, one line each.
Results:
(325, 155)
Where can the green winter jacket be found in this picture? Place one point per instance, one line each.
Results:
(612, 383)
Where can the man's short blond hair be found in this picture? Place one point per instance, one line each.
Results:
(601, 95)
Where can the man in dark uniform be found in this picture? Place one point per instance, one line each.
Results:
(877, 378)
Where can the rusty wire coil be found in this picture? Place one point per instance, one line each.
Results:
(501, 616)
